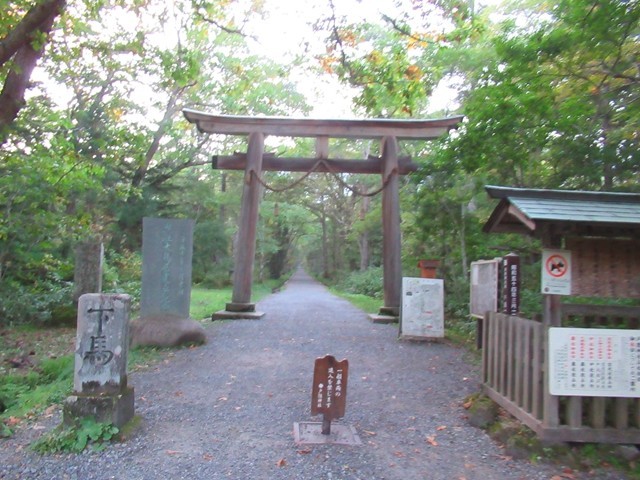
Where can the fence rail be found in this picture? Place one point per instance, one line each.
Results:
(514, 375)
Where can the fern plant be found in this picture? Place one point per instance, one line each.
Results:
(87, 432)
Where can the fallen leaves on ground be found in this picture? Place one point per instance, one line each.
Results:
(12, 421)
(566, 473)
(563, 476)
(281, 463)
(305, 451)
(431, 440)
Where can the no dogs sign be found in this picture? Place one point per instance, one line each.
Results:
(556, 272)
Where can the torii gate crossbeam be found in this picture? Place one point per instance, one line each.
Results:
(390, 166)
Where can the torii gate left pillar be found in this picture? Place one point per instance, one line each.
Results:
(245, 251)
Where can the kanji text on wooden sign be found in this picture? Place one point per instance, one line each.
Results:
(329, 392)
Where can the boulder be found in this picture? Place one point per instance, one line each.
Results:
(166, 330)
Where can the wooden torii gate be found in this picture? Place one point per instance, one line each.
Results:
(255, 161)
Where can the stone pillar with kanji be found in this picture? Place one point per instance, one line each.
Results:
(100, 374)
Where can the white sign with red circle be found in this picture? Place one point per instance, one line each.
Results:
(556, 272)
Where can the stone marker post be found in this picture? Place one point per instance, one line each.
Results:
(100, 374)
(87, 276)
(329, 392)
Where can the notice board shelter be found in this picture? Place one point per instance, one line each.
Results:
(591, 248)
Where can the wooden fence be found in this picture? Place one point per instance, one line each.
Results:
(515, 376)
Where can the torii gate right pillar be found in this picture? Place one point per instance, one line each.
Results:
(392, 240)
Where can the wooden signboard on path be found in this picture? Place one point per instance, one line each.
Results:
(329, 392)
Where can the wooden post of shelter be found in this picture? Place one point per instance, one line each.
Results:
(552, 317)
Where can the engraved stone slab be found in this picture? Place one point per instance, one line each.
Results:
(102, 343)
(167, 249)
(422, 309)
(311, 433)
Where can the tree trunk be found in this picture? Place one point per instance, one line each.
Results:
(363, 239)
(24, 61)
(463, 240)
(325, 247)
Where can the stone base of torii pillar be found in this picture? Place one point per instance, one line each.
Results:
(238, 311)
(386, 315)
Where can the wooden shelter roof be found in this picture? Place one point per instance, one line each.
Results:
(309, 127)
(523, 210)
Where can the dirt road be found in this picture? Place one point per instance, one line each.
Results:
(227, 409)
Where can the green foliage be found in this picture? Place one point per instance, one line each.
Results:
(75, 439)
(363, 302)
(555, 106)
(123, 273)
(211, 262)
(205, 301)
(368, 282)
(33, 303)
(51, 382)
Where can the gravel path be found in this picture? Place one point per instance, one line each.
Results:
(226, 409)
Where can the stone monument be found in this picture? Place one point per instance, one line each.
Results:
(100, 373)
(167, 247)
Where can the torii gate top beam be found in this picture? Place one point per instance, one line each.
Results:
(308, 127)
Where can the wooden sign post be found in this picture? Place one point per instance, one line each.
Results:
(329, 392)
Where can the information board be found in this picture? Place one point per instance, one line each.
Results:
(484, 287)
(422, 308)
(594, 362)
